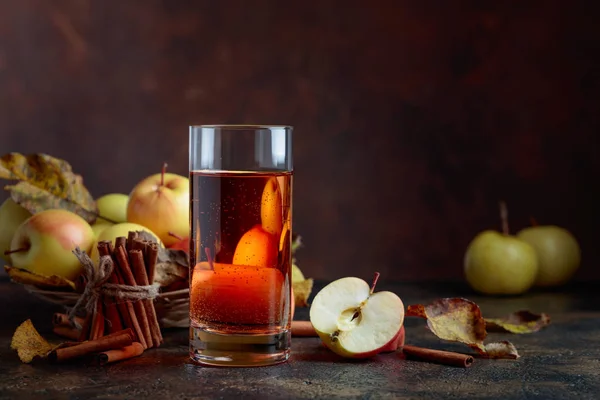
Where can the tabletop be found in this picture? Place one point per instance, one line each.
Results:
(561, 361)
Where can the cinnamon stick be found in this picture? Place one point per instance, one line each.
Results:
(152, 258)
(67, 332)
(139, 271)
(133, 350)
(61, 319)
(438, 356)
(126, 308)
(104, 343)
(138, 244)
(303, 328)
(120, 241)
(97, 328)
(132, 235)
(112, 312)
(140, 311)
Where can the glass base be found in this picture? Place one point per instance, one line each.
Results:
(208, 347)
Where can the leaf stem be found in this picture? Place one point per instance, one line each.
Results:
(504, 217)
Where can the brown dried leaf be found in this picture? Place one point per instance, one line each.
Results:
(302, 291)
(173, 256)
(453, 319)
(28, 343)
(168, 273)
(43, 282)
(518, 322)
(45, 183)
(502, 349)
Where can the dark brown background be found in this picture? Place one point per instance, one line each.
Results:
(413, 118)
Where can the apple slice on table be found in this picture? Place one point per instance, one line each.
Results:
(355, 322)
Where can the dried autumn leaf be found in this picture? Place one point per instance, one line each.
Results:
(453, 319)
(45, 183)
(460, 320)
(43, 282)
(502, 349)
(518, 322)
(28, 343)
(302, 291)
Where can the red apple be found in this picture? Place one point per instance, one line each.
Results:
(44, 243)
(161, 203)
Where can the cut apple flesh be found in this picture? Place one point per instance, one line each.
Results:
(352, 321)
(238, 294)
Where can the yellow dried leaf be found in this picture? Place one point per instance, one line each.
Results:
(453, 319)
(460, 320)
(28, 343)
(502, 349)
(302, 291)
(42, 282)
(46, 183)
(297, 274)
(518, 322)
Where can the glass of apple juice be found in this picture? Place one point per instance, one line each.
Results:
(240, 244)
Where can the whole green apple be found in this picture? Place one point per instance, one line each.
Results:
(11, 216)
(558, 253)
(161, 203)
(113, 207)
(44, 243)
(497, 263)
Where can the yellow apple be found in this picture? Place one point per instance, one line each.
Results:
(256, 248)
(113, 207)
(99, 226)
(44, 243)
(118, 230)
(497, 263)
(161, 203)
(558, 253)
(11, 216)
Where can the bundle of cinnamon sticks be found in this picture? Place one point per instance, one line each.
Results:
(134, 262)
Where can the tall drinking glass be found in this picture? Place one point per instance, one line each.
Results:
(240, 251)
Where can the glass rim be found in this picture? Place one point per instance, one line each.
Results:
(241, 126)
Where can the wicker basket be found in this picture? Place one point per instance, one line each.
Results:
(171, 307)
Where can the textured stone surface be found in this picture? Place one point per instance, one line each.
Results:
(412, 118)
(559, 362)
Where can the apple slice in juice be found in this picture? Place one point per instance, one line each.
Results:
(257, 248)
(236, 294)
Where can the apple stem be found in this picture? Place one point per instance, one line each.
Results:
(19, 250)
(209, 257)
(375, 279)
(504, 217)
(533, 221)
(176, 236)
(162, 174)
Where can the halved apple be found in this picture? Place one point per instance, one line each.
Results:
(271, 210)
(236, 293)
(256, 248)
(353, 321)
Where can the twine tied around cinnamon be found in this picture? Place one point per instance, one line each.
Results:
(96, 286)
